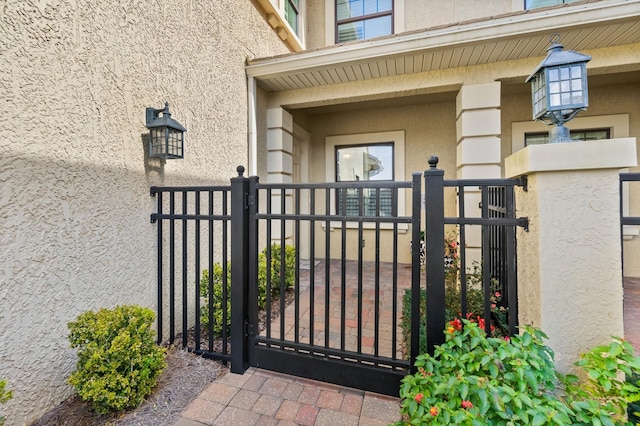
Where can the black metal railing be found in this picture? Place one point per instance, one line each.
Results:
(626, 219)
(497, 263)
(296, 283)
(193, 225)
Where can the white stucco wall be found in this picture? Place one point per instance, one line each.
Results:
(74, 180)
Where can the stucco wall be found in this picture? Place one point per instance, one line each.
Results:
(420, 14)
(75, 78)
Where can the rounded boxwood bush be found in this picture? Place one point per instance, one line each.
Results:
(118, 360)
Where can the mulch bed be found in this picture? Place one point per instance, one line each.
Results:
(185, 377)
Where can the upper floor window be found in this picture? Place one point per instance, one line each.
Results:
(576, 135)
(291, 13)
(534, 4)
(363, 19)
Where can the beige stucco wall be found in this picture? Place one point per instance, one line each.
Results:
(417, 12)
(573, 191)
(74, 193)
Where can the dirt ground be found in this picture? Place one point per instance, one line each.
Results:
(180, 383)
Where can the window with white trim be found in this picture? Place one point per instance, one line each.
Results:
(368, 162)
(363, 19)
(388, 148)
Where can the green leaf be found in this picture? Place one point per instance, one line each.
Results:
(539, 419)
(464, 390)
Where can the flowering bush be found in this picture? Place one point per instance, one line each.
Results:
(473, 379)
(453, 299)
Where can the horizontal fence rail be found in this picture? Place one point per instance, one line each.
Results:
(193, 233)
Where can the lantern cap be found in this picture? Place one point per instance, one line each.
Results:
(556, 56)
(154, 120)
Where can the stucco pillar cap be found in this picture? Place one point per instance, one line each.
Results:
(581, 155)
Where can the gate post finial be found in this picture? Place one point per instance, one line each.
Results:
(240, 170)
(433, 161)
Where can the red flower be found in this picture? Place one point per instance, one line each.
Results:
(433, 411)
(466, 404)
(419, 397)
(456, 324)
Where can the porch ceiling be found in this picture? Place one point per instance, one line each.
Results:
(584, 26)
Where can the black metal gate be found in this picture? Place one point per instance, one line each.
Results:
(319, 271)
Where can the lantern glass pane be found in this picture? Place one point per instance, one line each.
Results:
(554, 87)
(576, 71)
(565, 86)
(566, 98)
(564, 73)
(577, 97)
(554, 100)
(576, 84)
(554, 74)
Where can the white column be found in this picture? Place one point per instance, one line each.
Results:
(478, 151)
(280, 162)
(569, 262)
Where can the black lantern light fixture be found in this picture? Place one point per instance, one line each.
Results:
(559, 88)
(167, 135)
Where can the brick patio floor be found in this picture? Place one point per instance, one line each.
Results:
(262, 397)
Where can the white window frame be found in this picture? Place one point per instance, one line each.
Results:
(330, 20)
(398, 139)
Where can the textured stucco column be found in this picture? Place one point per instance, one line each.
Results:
(478, 150)
(280, 162)
(569, 262)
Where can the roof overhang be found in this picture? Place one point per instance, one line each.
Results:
(582, 26)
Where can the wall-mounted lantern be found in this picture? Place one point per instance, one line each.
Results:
(167, 135)
(559, 88)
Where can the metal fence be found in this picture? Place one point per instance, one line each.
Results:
(299, 279)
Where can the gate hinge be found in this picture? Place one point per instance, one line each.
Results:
(248, 328)
(251, 200)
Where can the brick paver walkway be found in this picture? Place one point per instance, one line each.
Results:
(632, 312)
(349, 308)
(266, 398)
(261, 397)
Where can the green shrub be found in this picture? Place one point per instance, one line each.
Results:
(473, 379)
(118, 361)
(218, 285)
(603, 395)
(289, 271)
(5, 395)
(217, 300)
